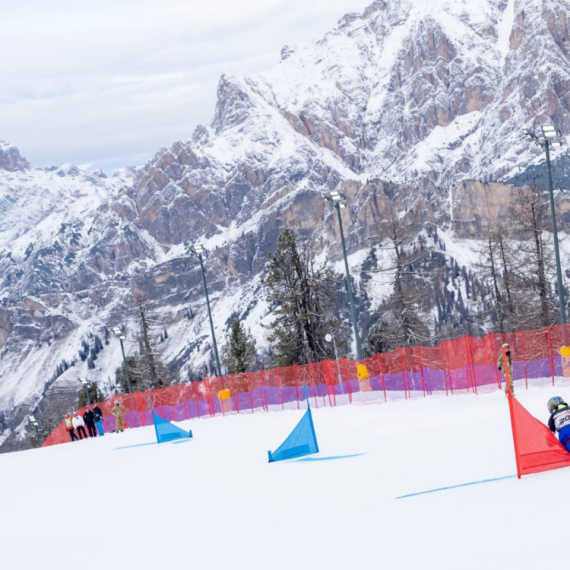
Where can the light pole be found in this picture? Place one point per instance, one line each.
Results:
(552, 138)
(339, 201)
(330, 338)
(200, 252)
(85, 383)
(121, 336)
(35, 422)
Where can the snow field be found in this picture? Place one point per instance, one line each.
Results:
(215, 502)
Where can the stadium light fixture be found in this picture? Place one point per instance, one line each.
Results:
(35, 423)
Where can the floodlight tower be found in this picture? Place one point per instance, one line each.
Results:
(548, 138)
(117, 331)
(339, 201)
(200, 252)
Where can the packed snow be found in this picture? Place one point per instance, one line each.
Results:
(214, 501)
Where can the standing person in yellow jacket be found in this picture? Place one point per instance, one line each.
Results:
(508, 369)
(119, 412)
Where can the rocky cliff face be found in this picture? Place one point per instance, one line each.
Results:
(10, 158)
(417, 103)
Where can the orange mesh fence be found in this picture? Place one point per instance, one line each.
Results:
(464, 364)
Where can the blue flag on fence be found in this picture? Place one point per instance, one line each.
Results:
(301, 441)
(165, 431)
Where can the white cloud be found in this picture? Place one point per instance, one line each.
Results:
(108, 82)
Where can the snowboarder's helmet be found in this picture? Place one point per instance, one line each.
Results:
(553, 403)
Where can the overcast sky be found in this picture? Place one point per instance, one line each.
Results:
(106, 83)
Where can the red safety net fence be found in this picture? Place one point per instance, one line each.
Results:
(460, 365)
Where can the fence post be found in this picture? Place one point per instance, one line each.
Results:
(141, 409)
(443, 365)
(296, 384)
(492, 353)
(381, 374)
(326, 366)
(311, 373)
(210, 402)
(448, 367)
(347, 376)
(196, 398)
(422, 369)
(550, 352)
(263, 392)
(236, 398)
(524, 358)
(280, 387)
(470, 362)
(249, 389)
(403, 374)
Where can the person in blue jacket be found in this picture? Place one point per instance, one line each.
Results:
(560, 420)
(98, 417)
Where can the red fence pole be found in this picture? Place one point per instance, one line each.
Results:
(381, 374)
(348, 389)
(280, 387)
(210, 402)
(422, 369)
(448, 367)
(327, 369)
(313, 379)
(443, 365)
(403, 375)
(470, 364)
(492, 356)
(141, 409)
(524, 358)
(511, 413)
(296, 384)
(249, 389)
(550, 352)
(196, 398)
(263, 393)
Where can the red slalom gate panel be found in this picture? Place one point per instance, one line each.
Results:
(536, 447)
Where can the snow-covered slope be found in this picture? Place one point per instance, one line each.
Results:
(215, 502)
(401, 104)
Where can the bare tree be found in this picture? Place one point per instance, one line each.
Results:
(403, 318)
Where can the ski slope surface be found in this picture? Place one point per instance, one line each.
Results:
(122, 501)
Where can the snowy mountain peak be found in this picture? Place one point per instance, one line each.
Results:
(10, 158)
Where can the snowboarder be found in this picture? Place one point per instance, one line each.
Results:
(98, 418)
(79, 425)
(508, 369)
(89, 420)
(69, 427)
(560, 420)
(119, 412)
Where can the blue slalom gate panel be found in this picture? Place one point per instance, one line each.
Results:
(301, 441)
(165, 431)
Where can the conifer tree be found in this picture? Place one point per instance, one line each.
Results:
(239, 353)
(305, 299)
(94, 393)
